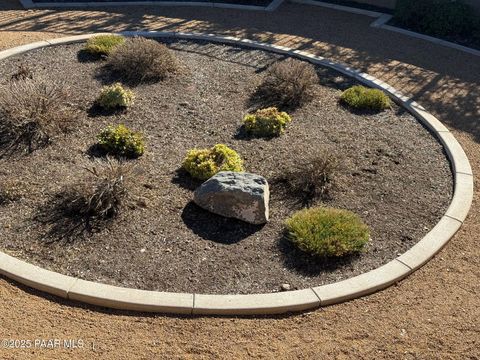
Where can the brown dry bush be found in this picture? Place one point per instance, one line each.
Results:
(108, 188)
(312, 178)
(23, 72)
(32, 112)
(91, 203)
(288, 84)
(140, 59)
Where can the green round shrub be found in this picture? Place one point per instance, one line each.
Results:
(362, 98)
(327, 232)
(103, 44)
(267, 122)
(204, 163)
(115, 96)
(121, 141)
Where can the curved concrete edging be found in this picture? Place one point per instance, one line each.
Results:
(183, 303)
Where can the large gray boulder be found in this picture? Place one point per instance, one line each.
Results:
(238, 195)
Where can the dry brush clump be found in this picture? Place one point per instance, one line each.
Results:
(140, 59)
(288, 84)
(23, 72)
(89, 204)
(33, 112)
(312, 177)
(108, 188)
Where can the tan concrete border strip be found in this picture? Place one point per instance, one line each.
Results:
(181, 303)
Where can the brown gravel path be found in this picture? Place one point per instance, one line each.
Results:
(432, 314)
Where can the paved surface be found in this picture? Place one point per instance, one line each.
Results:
(434, 313)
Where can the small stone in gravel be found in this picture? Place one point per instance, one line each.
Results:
(285, 287)
(238, 195)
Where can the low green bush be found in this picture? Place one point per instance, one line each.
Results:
(437, 17)
(266, 122)
(204, 163)
(362, 98)
(327, 232)
(115, 96)
(121, 141)
(103, 44)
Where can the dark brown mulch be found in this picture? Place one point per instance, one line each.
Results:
(395, 175)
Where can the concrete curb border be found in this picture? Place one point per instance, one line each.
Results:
(29, 4)
(381, 23)
(184, 303)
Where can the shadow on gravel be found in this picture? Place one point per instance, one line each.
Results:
(84, 56)
(216, 228)
(183, 179)
(310, 265)
(96, 110)
(96, 151)
(64, 220)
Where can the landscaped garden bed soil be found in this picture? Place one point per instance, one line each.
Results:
(391, 172)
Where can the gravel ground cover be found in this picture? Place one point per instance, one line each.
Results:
(393, 173)
(432, 314)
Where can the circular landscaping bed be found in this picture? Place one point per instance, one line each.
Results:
(386, 169)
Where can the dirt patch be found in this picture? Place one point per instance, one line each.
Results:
(395, 175)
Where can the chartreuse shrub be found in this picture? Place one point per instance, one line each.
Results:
(327, 232)
(437, 17)
(204, 163)
(121, 141)
(266, 122)
(103, 44)
(115, 96)
(362, 98)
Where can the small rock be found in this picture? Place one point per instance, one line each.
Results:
(285, 287)
(238, 195)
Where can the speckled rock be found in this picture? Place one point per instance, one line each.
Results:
(238, 195)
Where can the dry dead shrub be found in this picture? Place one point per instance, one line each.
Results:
(32, 112)
(140, 59)
(90, 204)
(288, 83)
(108, 188)
(312, 178)
(23, 72)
